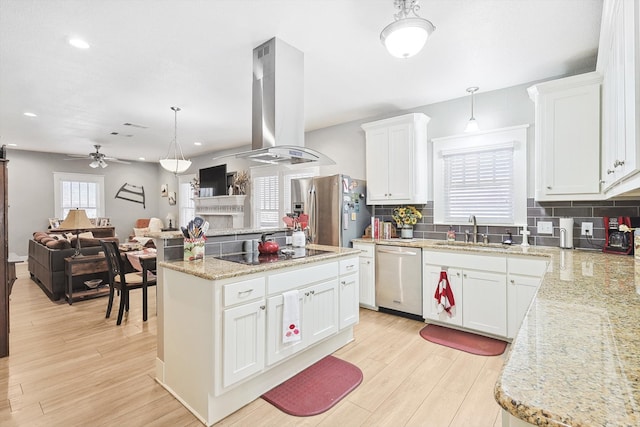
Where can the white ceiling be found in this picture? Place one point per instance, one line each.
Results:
(149, 55)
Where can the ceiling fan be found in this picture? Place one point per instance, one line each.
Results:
(97, 158)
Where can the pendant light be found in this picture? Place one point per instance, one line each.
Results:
(472, 125)
(406, 36)
(175, 165)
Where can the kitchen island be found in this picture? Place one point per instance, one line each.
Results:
(222, 334)
(575, 360)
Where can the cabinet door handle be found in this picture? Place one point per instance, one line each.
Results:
(618, 163)
(609, 171)
(262, 307)
(306, 294)
(513, 282)
(464, 275)
(548, 187)
(345, 283)
(312, 292)
(368, 262)
(458, 274)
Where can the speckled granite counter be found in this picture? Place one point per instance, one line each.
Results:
(576, 358)
(212, 268)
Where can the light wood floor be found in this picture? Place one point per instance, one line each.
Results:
(69, 366)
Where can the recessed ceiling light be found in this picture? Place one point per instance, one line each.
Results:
(79, 43)
(12, 144)
(28, 114)
(141, 158)
(197, 143)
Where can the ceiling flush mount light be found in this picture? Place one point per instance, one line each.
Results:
(78, 43)
(407, 35)
(28, 114)
(472, 126)
(175, 165)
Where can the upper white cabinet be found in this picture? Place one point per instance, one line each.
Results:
(396, 160)
(619, 64)
(567, 135)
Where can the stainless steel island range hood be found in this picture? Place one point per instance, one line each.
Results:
(278, 107)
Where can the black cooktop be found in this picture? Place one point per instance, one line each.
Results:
(256, 258)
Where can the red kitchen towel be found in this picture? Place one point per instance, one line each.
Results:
(444, 294)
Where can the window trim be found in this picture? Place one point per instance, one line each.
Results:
(516, 135)
(59, 177)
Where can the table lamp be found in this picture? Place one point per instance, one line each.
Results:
(170, 218)
(76, 220)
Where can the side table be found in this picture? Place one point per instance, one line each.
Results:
(79, 266)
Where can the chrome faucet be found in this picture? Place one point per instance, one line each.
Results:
(472, 219)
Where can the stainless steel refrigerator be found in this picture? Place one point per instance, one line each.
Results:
(336, 207)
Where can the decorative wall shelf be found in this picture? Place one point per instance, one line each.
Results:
(222, 212)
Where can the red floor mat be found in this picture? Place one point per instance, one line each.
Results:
(316, 389)
(465, 341)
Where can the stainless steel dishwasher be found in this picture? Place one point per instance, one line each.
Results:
(399, 278)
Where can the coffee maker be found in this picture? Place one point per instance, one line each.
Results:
(619, 241)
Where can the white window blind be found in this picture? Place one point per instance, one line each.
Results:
(479, 182)
(78, 191)
(267, 194)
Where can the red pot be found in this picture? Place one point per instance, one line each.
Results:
(268, 247)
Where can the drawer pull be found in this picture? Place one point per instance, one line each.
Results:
(350, 266)
(248, 291)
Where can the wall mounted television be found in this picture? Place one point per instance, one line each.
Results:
(214, 177)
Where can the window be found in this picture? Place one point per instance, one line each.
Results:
(482, 175)
(186, 204)
(271, 190)
(78, 191)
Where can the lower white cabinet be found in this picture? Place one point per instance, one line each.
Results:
(348, 290)
(430, 278)
(485, 295)
(523, 281)
(244, 344)
(367, 282)
(479, 289)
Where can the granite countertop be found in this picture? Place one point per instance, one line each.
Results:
(212, 268)
(496, 248)
(576, 358)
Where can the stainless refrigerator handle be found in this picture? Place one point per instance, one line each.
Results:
(313, 199)
(397, 252)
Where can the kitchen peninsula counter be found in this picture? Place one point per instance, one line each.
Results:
(576, 359)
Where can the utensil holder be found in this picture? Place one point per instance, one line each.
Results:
(194, 249)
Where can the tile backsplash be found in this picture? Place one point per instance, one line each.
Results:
(583, 211)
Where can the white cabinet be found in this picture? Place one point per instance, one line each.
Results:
(619, 63)
(349, 292)
(396, 159)
(320, 311)
(567, 137)
(244, 344)
(523, 279)
(367, 285)
(243, 329)
(431, 278)
(485, 294)
(479, 289)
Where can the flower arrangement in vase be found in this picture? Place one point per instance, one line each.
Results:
(240, 182)
(405, 218)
